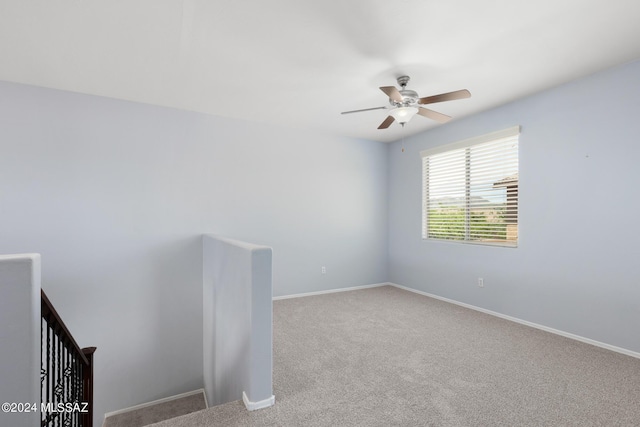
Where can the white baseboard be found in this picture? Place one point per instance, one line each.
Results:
(252, 406)
(331, 291)
(156, 402)
(206, 400)
(525, 322)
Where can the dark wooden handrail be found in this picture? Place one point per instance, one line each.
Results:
(47, 309)
(66, 373)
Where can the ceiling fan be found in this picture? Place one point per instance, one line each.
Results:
(406, 103)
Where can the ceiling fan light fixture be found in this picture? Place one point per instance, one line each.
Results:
(403, 114)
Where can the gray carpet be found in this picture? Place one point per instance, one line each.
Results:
(388, 357)
(159, 412)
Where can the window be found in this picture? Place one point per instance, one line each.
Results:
(470, 190)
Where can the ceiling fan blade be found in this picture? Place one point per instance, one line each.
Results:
(433, 115)
(392, 93)
(450, 96)
(387, 122)
(365, 109)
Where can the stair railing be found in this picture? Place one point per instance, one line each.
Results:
(66, 374)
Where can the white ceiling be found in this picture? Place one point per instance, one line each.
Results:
(300, 63)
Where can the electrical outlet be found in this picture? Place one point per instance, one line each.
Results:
(480, 282)
(324, 270)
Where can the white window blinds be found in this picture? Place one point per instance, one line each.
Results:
(470, 190)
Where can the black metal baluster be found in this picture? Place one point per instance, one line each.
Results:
(59, 380)
(56, 365)
(50, 372)
(53, 371)
(56, 369)
(62, 380)
(69, 369)
(70, 383)
(72, 368)
(77, 387)
(43, 372)
(67, 416)
(77, 394)
(70, 379)
(68, 376)
(52, 360)
(80, 390)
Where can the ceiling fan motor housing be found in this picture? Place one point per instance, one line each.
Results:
(409, 97)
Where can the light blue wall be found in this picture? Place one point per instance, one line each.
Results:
(576, 268)
(115, 196)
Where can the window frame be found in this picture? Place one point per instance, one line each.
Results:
(513, 133)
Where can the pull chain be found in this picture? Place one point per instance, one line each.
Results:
(402, 143)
